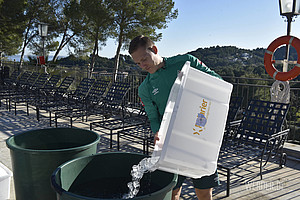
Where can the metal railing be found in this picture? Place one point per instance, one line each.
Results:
(249, 88)
(257, 88)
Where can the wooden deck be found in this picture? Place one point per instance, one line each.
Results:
(277, 183)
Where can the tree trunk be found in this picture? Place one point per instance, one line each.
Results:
(117, 57)
(25, 44)
(63, 43)
(60, 46)
(22, 55)
(93, 56)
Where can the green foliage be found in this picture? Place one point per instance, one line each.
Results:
(45, 11)
(98, 21)
(136, 17)
(232, 61)
(12, 25)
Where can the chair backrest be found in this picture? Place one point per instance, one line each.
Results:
(40, 81)
(97, 90)
(116, 93)
(24, 77)
(234, 106)
(31, 80)
(83, 88)
(64, 86)
(135, 112)
(51, 83)
(261, 119)
(13, 77)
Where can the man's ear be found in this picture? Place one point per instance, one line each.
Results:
(154, 49)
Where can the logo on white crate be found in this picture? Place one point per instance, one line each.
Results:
(202, 117)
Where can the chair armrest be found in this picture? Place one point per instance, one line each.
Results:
(235, 123)
(279, 134)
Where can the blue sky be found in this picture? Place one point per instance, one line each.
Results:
(246, 24)
(203, 23)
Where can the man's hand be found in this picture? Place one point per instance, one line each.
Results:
(156, 138)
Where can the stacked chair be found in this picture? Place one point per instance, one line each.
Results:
(54, 99)
(95, 94)
(131, 116)
(17, 88)
(69, 101)
(8, 84)
(29, 93)
(110, 104)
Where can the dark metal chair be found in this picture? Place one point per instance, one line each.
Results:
(234, 106)
(141, 135)
(131, 116)
(94, 95)
(258, 137)
(30, 81)
(27, 79)
(112, 104)
(72, 100)
(51, 100)
(40, 82)
(231, 122)
(9, 84)
(13, 88)
(49, 87)
(30, 93)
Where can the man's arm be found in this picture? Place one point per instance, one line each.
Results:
(150, 108)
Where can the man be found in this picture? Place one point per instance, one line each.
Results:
(154, 93)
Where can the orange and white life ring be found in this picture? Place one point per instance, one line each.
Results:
(272, 71)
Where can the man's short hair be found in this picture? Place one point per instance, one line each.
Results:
(140, 41)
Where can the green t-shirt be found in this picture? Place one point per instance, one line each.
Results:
(155, 89)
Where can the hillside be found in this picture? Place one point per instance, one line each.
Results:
(226, 60)
(233, 61)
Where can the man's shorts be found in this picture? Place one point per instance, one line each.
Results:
(204, 182)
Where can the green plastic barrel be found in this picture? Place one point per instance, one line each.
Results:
(105, 176)
(36, 154)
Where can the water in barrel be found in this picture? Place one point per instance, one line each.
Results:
(137, 174)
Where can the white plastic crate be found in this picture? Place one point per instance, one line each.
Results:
(5, 177)
(193, 124)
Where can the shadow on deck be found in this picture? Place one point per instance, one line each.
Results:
(277, 183)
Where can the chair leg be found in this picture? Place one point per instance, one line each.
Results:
(37, 113)
(91, 126)
(111, 139)
(71, 122)
(260, 170)
(55, 119)
(147, 146)
(8, 104)
(50, 118)
(27, 107)
(15, 108)
(118, 141)
(144, 146)
(228, 183)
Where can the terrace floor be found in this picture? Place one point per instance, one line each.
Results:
(277, 183)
